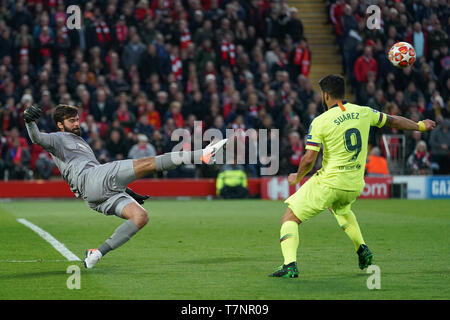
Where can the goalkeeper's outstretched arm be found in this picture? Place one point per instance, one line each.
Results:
(45, 140)
(403, 123)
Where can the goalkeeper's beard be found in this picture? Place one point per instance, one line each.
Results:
(76, 130)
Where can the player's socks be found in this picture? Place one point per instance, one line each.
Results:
(104, 248)
(350, 226)
(289, 241)
(122, 234)
(171, 160)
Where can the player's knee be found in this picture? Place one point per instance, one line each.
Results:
(290, 216)
(143, 217)
(140, 218)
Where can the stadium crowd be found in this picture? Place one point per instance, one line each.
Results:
(422, 91)
(139, 69)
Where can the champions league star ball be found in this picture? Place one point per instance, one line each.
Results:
(402, 55)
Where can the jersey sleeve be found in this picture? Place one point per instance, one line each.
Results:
(377, 118)
(47, 141)
(314, 137)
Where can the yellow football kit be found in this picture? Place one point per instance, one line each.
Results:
(343, 132)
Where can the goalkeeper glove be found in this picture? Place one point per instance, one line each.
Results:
(139, 198)
(32, 113)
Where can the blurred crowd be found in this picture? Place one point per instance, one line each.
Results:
(140, 69)
(420, 92)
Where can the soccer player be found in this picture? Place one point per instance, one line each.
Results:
(343, 132)
(104, 187)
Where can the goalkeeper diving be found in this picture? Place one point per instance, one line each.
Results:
(342, 130)
(104, 186)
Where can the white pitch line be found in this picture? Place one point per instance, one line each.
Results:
(61, 248)
(30, 261)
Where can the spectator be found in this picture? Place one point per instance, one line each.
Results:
(8, 118)
(310, 114)
(301, 59)
(102, 107)
(17, 160)
(231, 64)
(126, 118)
(115, 145)
(419, 161)
(440, 145)
(44, 164)
(295, 25)
(376, 164)
(175, 113)
(100, 152)
(143, 126)
(132, 52)
(419, 40)
(293, 152)
(365, 64)
(142, 149)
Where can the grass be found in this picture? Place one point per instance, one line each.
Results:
(199, 249)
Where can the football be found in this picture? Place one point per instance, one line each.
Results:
(402, 55)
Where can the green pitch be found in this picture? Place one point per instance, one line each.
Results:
(198, 249)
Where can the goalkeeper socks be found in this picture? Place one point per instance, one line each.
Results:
(171, 160)
(122, 234)
(350, 226)
(289, 241)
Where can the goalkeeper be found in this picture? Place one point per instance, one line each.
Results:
(343, 131)
(104, 187)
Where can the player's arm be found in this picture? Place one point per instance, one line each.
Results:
(313, 143)
(45, 140)
(305, 166)
(381, 119)
(403, 123)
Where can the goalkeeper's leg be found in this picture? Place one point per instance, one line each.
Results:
(171, 160)
(136, 217)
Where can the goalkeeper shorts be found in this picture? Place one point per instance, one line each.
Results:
(104, 187)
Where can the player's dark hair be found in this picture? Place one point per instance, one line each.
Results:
(62, 112)
(334, 85)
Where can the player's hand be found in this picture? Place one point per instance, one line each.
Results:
(429, 124)
(136, 196)
(293, 179)
(32, 113)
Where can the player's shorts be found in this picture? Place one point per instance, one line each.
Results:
(313, 197)
(104, 186)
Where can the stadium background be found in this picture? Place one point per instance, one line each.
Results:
(149, 67)
(230, 64)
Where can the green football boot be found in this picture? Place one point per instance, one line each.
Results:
(286, 271)
(365, 256)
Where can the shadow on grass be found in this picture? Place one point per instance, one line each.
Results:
(334, 285)
(218, 260)
(28, 275)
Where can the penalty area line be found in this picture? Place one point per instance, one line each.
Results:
(61, 248)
